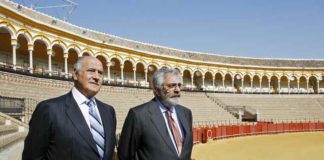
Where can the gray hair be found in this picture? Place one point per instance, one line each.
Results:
(77, 65)
(158, 76)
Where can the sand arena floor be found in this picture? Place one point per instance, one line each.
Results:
(287, 146)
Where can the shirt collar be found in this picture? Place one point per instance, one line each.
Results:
(163, 108)
(80, 98)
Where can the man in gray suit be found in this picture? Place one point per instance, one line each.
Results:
(160, 129)
(75, 126)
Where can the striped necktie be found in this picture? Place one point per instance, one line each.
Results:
(96, 129)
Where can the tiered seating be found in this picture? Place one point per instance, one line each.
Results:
(279, 107)
(204, 109)
(11, 131)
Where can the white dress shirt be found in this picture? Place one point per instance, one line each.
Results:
(174, 116)
(82, 103)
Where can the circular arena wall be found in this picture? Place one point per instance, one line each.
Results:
(38, 43)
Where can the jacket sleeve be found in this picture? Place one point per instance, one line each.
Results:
(38, 138)
(130, 137)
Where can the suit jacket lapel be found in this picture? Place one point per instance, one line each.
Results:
(159, 123)
(106, 121)
(74, 113)
(184, 122)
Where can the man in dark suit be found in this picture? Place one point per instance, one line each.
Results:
(75, 126)
(160, 129)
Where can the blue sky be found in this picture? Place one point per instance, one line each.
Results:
(248, 28)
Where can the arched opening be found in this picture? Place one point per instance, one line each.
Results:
(40, 57)
(209, 81)
(247, 84)
(198, 81)
(186, 79)
(5, 47)
(140, 75)
(313, 85)
(57, 60)
(22, 54)
(72, 59)
(256, 84)
(228, 83)
(86, 54)
(219, 82)
(293, 84)
(115, 74)
(238, 83)
(274, 84)
(302, 84)
(150, 71)
(128, 72)
(265, 84)
(284, 84)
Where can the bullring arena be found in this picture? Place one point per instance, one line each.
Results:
(275, 105)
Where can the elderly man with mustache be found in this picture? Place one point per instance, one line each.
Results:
(160, 129)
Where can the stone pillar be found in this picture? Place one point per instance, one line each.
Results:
(49, 53)
(203, 81)
(298, 85)
(30, 50)
(122, 73)
(14, 54)
(134, 74)
(242, 85)
(288, 86)
(233, 82)
(145, 71)
(317, 86)
(251, 81)
(279, 87)
(108, 64)
(269, 84)
(66, 72)
(307, 80)
(192, 76)
(213, 81)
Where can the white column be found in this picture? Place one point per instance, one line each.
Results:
(269, 85)
(30, 60)
(145, 71)
(108, 71)
(251, 81)
(317, 86)
(203, 81)
(14, 50)
(242, 86)
(214, 81)
(134, 74)
(279, 86)
(298, 85)
(66, 72)
(288, 86)
(122, 73)
(260, 84)
(192, 81)
(307, 80)
(49, 53)
(233, 84)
